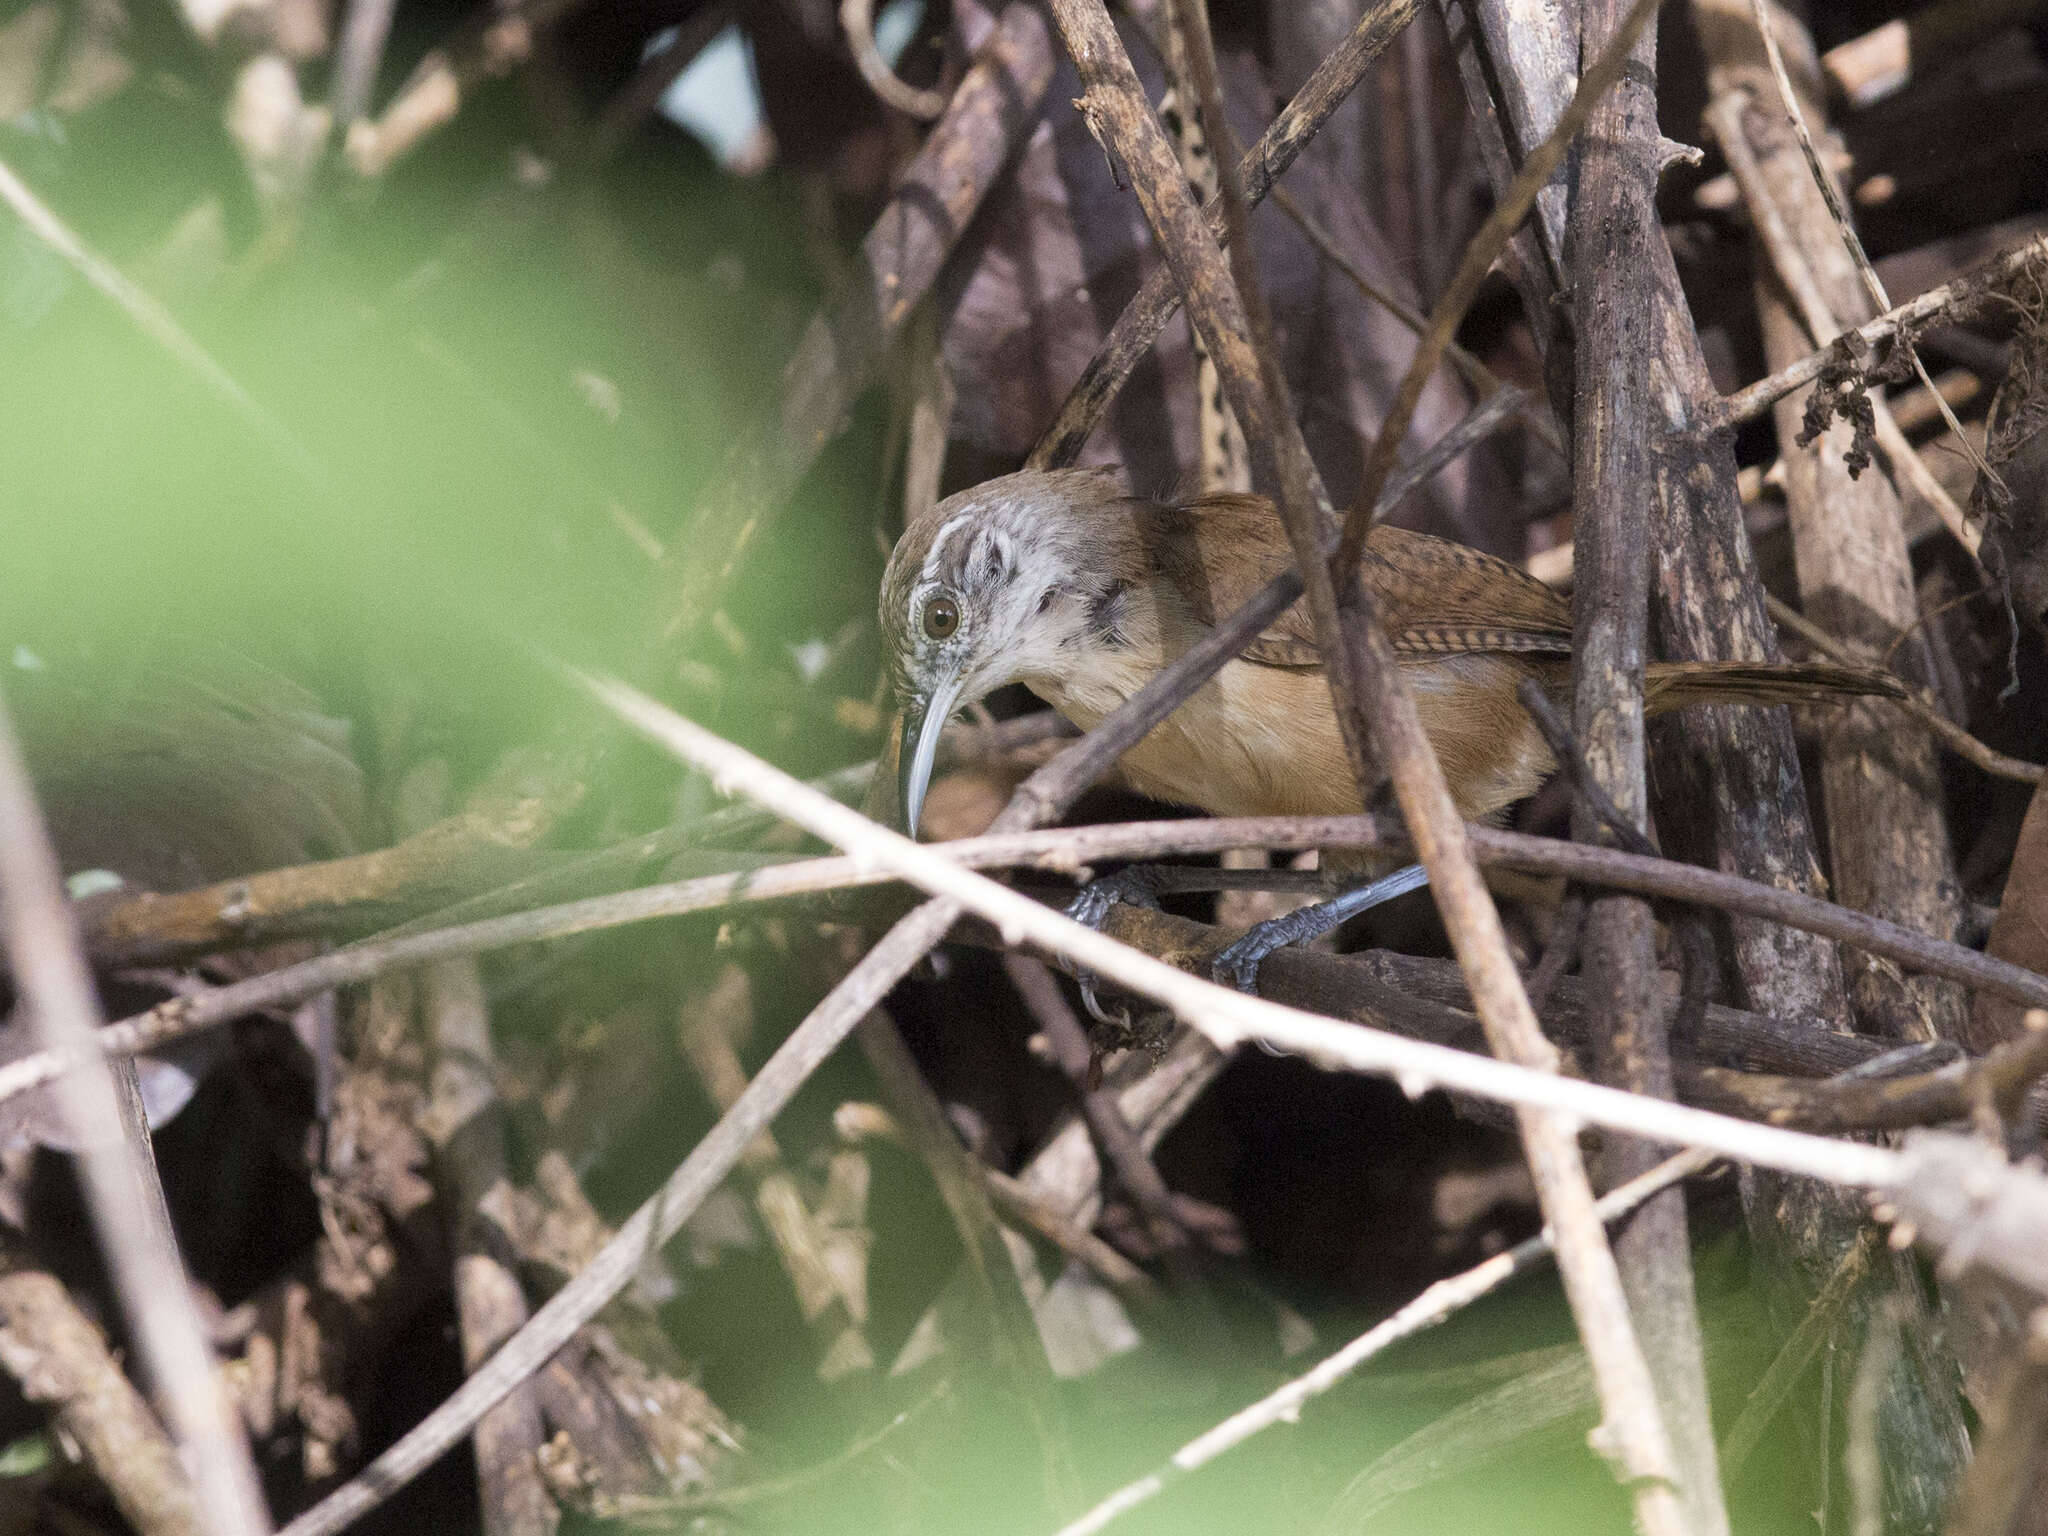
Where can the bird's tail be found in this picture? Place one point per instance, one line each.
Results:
(1672, 684)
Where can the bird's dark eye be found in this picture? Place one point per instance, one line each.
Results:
(941, 617)
(1045, 599)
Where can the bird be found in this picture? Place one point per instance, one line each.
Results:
(1066, 582)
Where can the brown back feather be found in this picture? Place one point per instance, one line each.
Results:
(1441, 599)
(1438, 598)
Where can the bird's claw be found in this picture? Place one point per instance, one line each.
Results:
(1133, 886)
(1237, 963)
(1090, 907)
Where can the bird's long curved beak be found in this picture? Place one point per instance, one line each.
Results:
(923, 721)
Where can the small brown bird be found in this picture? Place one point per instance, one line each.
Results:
(1064, 582)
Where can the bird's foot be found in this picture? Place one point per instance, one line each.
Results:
(1238, 964)
(1137, 885)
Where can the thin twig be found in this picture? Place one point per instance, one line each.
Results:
(50, 977)
(1158, 299)
(1724, 116)
(1442, 1301)
(857, 21)
(338, 897)
(1751, 401)
(1065, 851)
(1872, 283)
(639, 96)
(1026, 1209)
(366, 26)
(1916, 702)
(1230, 1017)
(1116, 1143)
(856, 1121)
(1480, 253)
(1484, 380)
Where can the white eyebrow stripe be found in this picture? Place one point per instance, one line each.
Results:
(937, 551)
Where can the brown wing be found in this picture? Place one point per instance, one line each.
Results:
(1439, 598)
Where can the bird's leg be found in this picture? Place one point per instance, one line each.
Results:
(1238, 964)
(1141, 885)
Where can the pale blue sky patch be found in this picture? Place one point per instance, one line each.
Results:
(718, 98)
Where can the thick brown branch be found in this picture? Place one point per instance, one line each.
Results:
(1614, 225)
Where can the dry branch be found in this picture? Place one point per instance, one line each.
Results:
(1226, 1016)
(1156, 302)
(1065, 851)
(1736, 772)
(1753, 400)
(1735, 1062)
(61, 1361)
(55, 989)
(490, 1306)
(1977, 1209)
(1383, 735)
(841, 352)
(1616, 428)
(465, 860)
(491, 841)
(492, 43)
(1888, 840)
(1440, 1302)
(831, 1301)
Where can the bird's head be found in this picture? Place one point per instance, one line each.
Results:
(990, 587)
